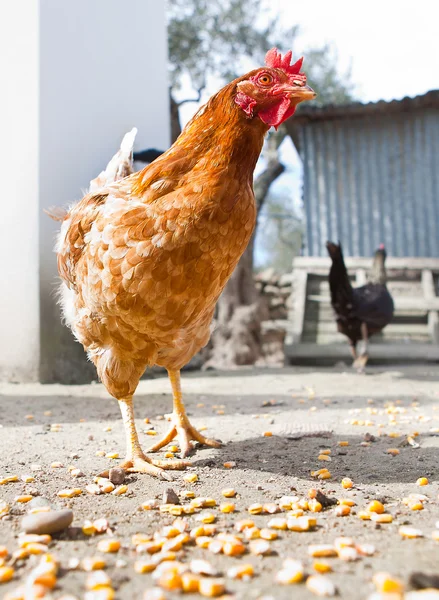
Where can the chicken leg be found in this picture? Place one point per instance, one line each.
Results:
(182, 428)
(136, 461)
(361, 361)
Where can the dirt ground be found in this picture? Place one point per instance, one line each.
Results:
(238, 407)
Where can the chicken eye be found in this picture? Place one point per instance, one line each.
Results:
(265, 79)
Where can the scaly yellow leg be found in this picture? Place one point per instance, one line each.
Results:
(182, 428)
(136, 461)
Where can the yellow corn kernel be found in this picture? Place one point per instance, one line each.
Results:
(321, 550)
(203, 502)
(191, 477)
(314, 505)
(244, 524)
(268, 534)
(106, 486)
(422, 481)
(3, 552)
(169, 455)
(33, 538)
(435, 536)
(229, 465)
(319, 472)
(241, 572)
(326, 451)
(343, 443)
(410, 532)
(343, 542)
(301, 523)
(203, 541)
(69, 493)
(93, 488)
(324, 475)
(211, 588)
(97, 580)
(6, 574)
(387, 584)
(170, 580)
(292, 572)
(375, 507)
(321, 567)
(121, 489)
(303, 504)
(109, 545)
(347, 483)
(416, 506)
(271, 508)
(47, 580)
(392, 451)
(23, 499)
(206, 517)
(215, 546)
(364, 515)
(252, 533)
(381, 517)
(227, 507)
(144, 566)
(320, 585)
(342, 511)
(100, 453)
(151, 432)
(228, 493)
(10, 479)
(260, 547)
(233, 548)
(112, 455)
(140, 538)
(93, 563)
(277, 523)
(324, 457)
(255, 509)
(174, 448)
(36, 548)
(346, 502)
(190, 582)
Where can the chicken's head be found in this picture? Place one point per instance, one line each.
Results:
(273, 92)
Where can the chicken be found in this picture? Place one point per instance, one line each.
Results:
(144, 259)
(360, 312)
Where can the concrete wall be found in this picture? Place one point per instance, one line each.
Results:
(101, 71)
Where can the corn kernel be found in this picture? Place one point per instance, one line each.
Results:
(321, 567)
(203, 502)
(342, 511)
(97, 580)
(348, 554)
(301, 523)
(33, 538)
(255, 509)
(100, 453)
(381, 517)
(364, 515)
(271, 508)
(410, 532)
(23, 499)
(244, 524)
(151, 432)
(190, 582)
(252, 533)
(93, 488)
(206, 517)
(69, 493)
(174, 448)
(277, 523)
(435, 536)
(229, 465)
(144, 566)
(188, 494)
(109, 545)
(292, 572)
(416, 506)
(324, 457)
(346, 502)
(215, 546)
(320, 585)
(314, 505)
(325, 475)
(268, 534)
(260, 547)
(233, 548)
(422, 481)
(343, 443)
(170, 580)
(211, 588)
(6, 574)
(241, 572)
(191, 477)
(387, 584)
(375, 507)
(36, 548)
(321, 550)
(57, 465)
(121, 489)
(392, 451)
(93, 563)
(112, 455)
(3, 552)
(319, 472)
(346, 483)
(10, 479)
(227, 507)
(154, 594)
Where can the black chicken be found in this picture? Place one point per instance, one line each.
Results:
(360, 312)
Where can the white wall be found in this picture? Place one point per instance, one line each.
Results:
(101, 71)
(19, 309)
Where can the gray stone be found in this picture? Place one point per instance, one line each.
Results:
(47, 522)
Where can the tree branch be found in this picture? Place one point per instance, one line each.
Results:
(197, 99)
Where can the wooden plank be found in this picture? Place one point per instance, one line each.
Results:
(430, 294)
(300, 280)
(401, 303)
(377, 352)
(317, 263)
(400, 329)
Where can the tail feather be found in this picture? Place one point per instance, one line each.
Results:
(339, 283)
(120, 166)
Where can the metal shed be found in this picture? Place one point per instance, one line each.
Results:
(371, 175)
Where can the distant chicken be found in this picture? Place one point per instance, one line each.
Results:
(360, 312)
(144, 259)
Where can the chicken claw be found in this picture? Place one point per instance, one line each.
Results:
(144, 464)
(186, 433)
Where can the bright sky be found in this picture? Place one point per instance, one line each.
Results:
(392, 45)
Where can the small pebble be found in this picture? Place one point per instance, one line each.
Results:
(116, 475)
(170, 497)
(47, 522)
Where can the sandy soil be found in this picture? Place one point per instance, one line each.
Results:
(253, 402)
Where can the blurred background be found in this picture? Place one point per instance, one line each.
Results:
(358, 165)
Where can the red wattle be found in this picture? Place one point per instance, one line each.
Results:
(277, 114)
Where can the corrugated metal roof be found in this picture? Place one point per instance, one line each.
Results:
(312, 112)
(373, 176)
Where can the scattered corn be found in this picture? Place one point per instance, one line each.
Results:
(144, 566)
(255, 509)
(211, 588)
(93, 563)
(241, 572)
(112, 455)
(375, 507)
(410, 532)
(381, 517)
(342, 443)
(109, 545)
(227, 507)
(69, 493)
(320, 585)
(422, 481)
(321, 550)
(347, 483)
(324, 475)
(321, 567)
(268, 534)
(292, 572)
(6, 574)
(301, 523)
(191, 477)
(324, 457)
(244, 524)
(392, 451)
(23, 499)
(206, 517)
(122, 489)
(342, 511)
(387, 584)
(229, 465)
(314, 505)
(278, 523)
(10, 479)
(260, 547)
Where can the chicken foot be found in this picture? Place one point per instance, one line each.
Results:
(182, 427)
(136, 460)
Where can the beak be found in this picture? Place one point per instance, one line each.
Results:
(297, 93)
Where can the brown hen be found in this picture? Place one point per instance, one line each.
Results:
(144, 259)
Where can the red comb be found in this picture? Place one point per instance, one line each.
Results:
(381, 247)
(275, 60)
